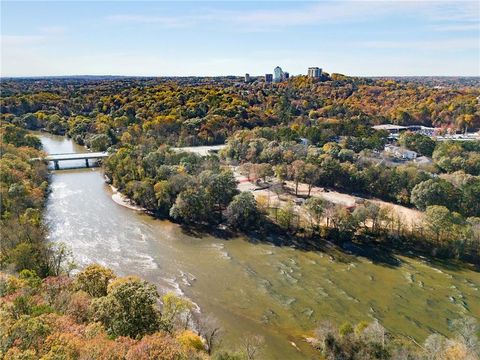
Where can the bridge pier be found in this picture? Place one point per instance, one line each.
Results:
(55, 164)
(86, 163)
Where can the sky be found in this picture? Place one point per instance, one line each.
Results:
(160, 38)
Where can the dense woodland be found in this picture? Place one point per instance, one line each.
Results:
(23, 189)
(303, 131)
(94, 315)
(193, 111)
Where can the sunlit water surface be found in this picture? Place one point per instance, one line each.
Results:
(280, 293)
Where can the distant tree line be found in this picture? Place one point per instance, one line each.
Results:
(207, 111)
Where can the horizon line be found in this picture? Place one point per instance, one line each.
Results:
(212, 76)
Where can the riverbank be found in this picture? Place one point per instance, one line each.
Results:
(124, 201)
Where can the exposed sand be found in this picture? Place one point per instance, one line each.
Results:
(122, 200)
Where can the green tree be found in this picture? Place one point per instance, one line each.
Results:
(422, 144)
(442, 222)
(219, 187)
(100, 142)
(129, 308)
(286, 215)
(435, 192)
(192, 206)
(242, 213)
(176, 312)
(470, 204)
(315, 207)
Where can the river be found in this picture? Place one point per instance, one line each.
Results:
(277, 292)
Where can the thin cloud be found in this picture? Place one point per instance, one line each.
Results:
(53, 30)
(441, 45)
(458, 27)
(314, 13)
(16, 40)
(165, 21)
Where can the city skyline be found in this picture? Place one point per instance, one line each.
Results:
(376, 38)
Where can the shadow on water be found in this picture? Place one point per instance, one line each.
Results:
(344, 250)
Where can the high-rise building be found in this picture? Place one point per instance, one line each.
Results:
(247, 77)
(268, 78)
(314, 72)
(278, 74)
(286, 75)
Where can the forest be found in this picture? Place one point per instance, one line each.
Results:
(194, 111)
(303, 132)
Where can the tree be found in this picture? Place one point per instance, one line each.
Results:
(100, 142)
(470, 204)
(311, 175)
(420, 143)
(242, 213)
(441, 222)
(435, 192)
(176, 312)
(466, 330)
(209, 329)
(30, 122)
(343, 220)
(190, 341)
(11, 134)
(192, 207)
(252, 345)
(435, 346)
(143, 193)
(157, 346)
(246, 169)
(129, 308)
(219, 187)
(326, 334)
(346, 329)
(297, 170)
(94, 280)
(285, 216)
(375, 333)
(370, 212)
(164, 195)
(262, 171)
(315, 207)
(25, 256)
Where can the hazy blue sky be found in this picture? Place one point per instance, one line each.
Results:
(233, 37)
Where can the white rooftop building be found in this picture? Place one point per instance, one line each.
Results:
(400, 152)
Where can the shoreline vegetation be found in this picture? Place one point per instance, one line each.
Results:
(263, 128)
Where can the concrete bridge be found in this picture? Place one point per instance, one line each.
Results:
(56, 158)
